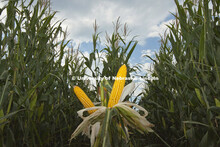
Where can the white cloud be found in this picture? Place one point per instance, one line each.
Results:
(160, 29)
(148, 52)
(147, 66)
(142, 16)
(3, 13)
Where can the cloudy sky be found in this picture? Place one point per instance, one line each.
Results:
(145, 18)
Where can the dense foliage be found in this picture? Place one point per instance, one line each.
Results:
(36, 101)
(38, 66)
(184, 101)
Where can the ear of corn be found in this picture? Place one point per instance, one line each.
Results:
(84, 99)
(118, 86)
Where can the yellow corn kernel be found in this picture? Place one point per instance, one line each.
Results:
(84, 99)
(118, 86)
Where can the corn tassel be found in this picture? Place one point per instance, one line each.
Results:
(118, 86)
(84, 99)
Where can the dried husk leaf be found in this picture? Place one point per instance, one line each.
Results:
(89, 120)
(133, 118)
(128, 89)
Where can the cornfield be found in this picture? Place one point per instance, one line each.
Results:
(184, 101)
(40, 98)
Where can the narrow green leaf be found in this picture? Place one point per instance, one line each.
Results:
(202, 44)
(196, 123)
(217, 102)
(33, 101)
(130, 52)
(3, 92)
(199, 96)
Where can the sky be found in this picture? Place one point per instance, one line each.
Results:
(146, 19)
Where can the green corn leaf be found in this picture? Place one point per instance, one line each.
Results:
(217, 102)
(2, 121)
(199, 96)
(202, 44)
(33, 101)
(130, 52)
(196, 123)
(171, 106)
(40, 111)
(3, 92)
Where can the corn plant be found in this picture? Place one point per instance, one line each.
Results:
(109, 123)
(37, 107)
(184, 101)
(116, 52)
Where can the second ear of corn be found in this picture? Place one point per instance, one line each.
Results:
(84, 99)
(118, 86)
